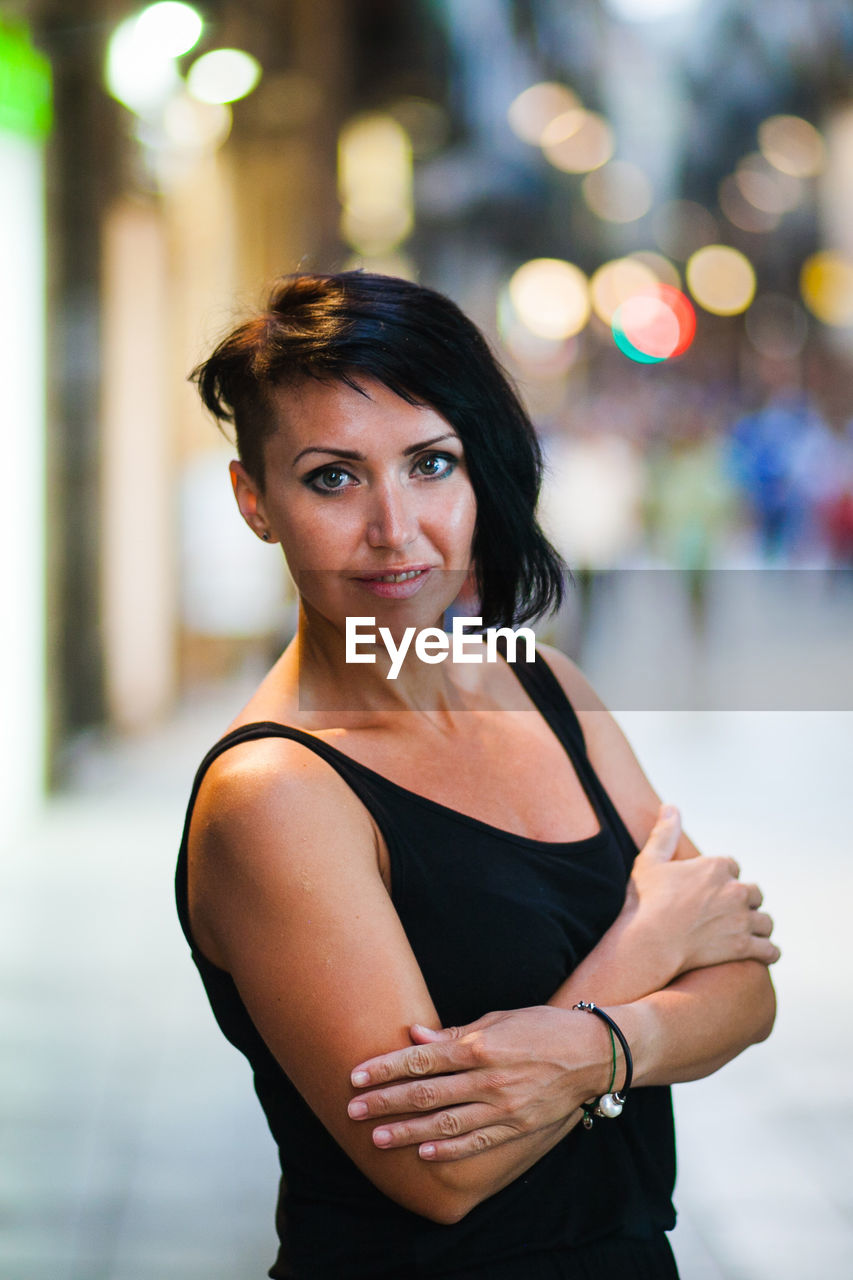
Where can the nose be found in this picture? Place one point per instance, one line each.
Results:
(391, 521)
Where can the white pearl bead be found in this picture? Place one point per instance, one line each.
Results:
(609, 1106)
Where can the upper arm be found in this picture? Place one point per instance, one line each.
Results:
(611, 755)
(285, 883)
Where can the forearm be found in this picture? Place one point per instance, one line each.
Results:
(629, 962)
(504, 1090)
(698, 1023)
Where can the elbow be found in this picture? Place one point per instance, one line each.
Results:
(440, 1191)
(444, 1205)
(449, 1213)
(440, 1198)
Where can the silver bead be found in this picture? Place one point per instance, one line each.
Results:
(609, 1106)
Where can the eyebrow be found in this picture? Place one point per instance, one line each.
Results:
(352, 456)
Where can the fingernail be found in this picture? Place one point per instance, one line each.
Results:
(427, 1150)
(668, 812)
(357, 1109)
(382, 1137)
(359, 1078)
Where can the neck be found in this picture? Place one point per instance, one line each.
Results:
(391, 682)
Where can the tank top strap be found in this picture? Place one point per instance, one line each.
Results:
(273, 729)
(359, 780)
(550, 699)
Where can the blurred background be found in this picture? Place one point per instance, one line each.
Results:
(647, 205)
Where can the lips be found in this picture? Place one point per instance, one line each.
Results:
(393, 577)
(394, 584)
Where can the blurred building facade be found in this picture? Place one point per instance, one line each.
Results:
(397, 137)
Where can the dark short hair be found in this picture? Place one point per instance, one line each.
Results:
(338, 328)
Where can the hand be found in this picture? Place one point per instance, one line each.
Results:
(497, 1079)
(698, 906)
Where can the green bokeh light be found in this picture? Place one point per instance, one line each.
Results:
(628, 349)
(25, 84)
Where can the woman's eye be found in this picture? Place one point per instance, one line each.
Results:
(329, 479)
(436, 464)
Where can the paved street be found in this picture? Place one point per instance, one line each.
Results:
(132, 1146)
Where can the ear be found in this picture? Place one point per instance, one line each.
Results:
(250, 501)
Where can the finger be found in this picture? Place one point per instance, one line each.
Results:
(761, 924)
(765, 951)
(438, 1126)
(471, 1144)
(426, 1035)
(754, 896)
(419, 1060)
(664, 837)
(422, 1095)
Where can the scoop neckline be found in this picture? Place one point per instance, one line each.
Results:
(479, 824)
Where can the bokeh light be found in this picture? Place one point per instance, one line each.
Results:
(826, 283)
(544, 358)
(375, 183)
(533, 111)
(680, 227)
(654, 326)
(765, 187)
(563, 126)
(396, 263)
(618, 192)
(551, 297)
(740, 212)
(721, 279)
(138, 74)
(792, 145)
(776, 326)
(578, 141)
(169, 28)
(223, 75)
(617, 281)
(647, 319)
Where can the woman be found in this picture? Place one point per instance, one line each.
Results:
(367, 860)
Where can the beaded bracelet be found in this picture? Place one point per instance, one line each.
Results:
(610, 1104)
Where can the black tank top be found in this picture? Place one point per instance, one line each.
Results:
(496, 921)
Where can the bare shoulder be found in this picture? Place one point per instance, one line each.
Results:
(270, 813)
(257, 783)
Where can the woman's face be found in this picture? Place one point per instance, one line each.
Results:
(371, 501)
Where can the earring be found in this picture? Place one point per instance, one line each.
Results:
(265, 535)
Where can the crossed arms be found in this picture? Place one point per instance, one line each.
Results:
(307, 929)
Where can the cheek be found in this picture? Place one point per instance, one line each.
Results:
(317, 532)
(462, 519)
